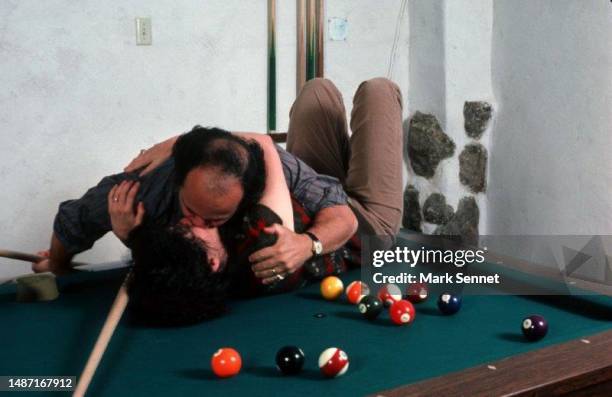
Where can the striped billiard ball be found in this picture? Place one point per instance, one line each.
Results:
(333, 362)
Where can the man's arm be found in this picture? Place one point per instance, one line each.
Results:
(333, 226)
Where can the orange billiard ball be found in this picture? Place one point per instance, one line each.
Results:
(331, 287)
(356, 290)
(226, 362)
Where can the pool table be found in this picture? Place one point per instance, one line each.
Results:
(478, 351)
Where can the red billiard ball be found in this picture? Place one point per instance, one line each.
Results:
(402, 312)
(333, 362)
(389, 293)
(417, 292)
(357, 290)
(534, 327)
(226, 362)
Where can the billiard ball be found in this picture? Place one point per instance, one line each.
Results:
(226, 362)
(370, 306)
(534, 327)
(417, 292)
(449, 303)
(331, 287)
(356, 290)
(402, 312)
(290, 360)
(333, 362)
(389, 293)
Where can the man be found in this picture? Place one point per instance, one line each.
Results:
(368, 165)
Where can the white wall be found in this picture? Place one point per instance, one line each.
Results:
(551, 166)
(79, 98)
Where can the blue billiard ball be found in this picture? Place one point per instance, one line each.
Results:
(534, 327)
(449, 303)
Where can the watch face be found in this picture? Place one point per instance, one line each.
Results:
(318, 247)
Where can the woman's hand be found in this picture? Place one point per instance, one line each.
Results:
(152, 157)
(42, 265)
(124, 217)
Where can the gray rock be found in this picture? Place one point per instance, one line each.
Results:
(477, 115)
(435, 209)
(427, 144)
(412, 209)
(464, 224)
(473, 167)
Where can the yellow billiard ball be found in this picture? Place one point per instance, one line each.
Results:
(331, 288)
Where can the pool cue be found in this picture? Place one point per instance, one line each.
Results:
(271, 66)
(22, 256)
(320, 34)
(310, 40)
(300, 62)
(115, 314)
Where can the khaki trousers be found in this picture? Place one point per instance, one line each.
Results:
(369, 162)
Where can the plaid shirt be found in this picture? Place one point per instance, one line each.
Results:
(79, 223)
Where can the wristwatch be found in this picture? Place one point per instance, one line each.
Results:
(317, 246)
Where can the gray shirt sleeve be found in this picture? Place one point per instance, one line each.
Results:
(314, 191)
(79, 223)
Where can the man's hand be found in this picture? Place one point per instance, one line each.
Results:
(124, 217)
(285, 257)
(152, 157)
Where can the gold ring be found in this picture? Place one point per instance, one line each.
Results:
(274, 270)
(280, 277)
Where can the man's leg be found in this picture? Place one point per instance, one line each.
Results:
(374, 177)
(318, 132)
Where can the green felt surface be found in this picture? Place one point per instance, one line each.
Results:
(55, 338)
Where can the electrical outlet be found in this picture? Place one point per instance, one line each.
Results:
(337, 28)
(144, 34)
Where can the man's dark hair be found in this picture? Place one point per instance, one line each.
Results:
(235, 156)
(171, 282)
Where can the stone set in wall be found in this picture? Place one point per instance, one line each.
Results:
(427, 146)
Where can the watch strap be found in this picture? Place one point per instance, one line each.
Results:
(315, 240)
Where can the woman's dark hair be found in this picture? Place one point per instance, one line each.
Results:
(235, 156)
(171, 282)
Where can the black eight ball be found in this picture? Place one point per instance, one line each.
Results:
(370, 306)
(290, 360)
(534, 327)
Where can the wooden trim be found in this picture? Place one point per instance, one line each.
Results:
(279, 137)
(580, 364)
